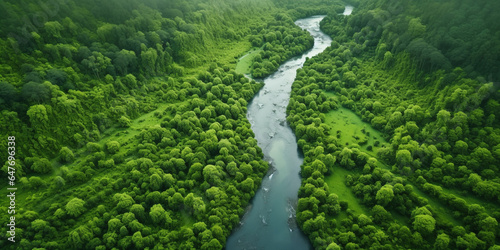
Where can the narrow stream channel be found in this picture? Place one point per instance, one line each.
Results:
(270, 220)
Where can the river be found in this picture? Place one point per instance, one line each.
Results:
(269, 223)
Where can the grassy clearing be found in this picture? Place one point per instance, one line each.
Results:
(244, 65)
(471, 199)
(336, 184)
(148, 120)
(350, 130)
(439, 209)
(226, 53)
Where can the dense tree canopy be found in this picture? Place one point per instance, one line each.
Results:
(131, 131)
(132, 119)
(422, 166)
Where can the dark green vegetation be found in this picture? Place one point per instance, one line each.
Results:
(419, 72)
(130, 120)
(280, 41)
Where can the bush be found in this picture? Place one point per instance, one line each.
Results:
(113, 147)
(124, 122)
(66, 154)
(42, 166)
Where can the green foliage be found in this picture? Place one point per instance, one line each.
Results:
(391, 65)
(124, 122)
(385, 195)
(125, 100)
(66, 154)
(150, 83)
(280, 41)
(41, 165)
(75, 207)
(113, 147)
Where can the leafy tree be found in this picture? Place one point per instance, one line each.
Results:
(42, 165)
(424, 224)
(78, 237)
(442, 241)
(35, 92)
(385, 195)
(66, 154)
(123, 201)
(75, 207)
(333, 246)
(211, 174)
(38, 116)
(124, 122)
(212, 245)
(113, 147)
(8, 93)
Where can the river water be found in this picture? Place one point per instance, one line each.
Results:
(270, 221)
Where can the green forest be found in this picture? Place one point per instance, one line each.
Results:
(130, 127)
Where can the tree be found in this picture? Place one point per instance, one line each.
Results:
(59, 78)
(349, 78)
(214, 244)
(333, 246)
(39, 225)
(385, 195)
(198, 206)
(424, 224)
(113, 146)
(442, 241)
(158, 215)
(35, 182)
(483, 156)
(416, 28)
(211, 174)
(139, 211)
(388, 59)
(247, 185)
(123, 201)
(38, 116)
(489, 224)
(155, 182)
(318, 165)
(443, 117)
(345, 157)
(124, 122)
(42, 165)
(460, 147)
(469, 241)
(66, 154)
(232, 168)
(138, 240)
(364, 220)
(8, 92)
(403, 158)
(75, 207)
(78, 237)
(114, 224)
(125, 61)
(96, 63)
(53, 30)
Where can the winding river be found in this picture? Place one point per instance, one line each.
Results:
(270, 220)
